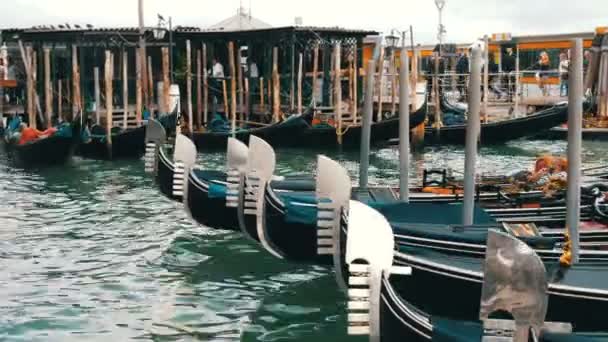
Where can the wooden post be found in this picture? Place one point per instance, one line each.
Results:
(276, 87)
(486, 70)
(350, 82)
(139, 99)
(247, 99)
(109, 74)
(414, 78)
(436, 93)
(315, 70)
(48, 94)
(142, 52)
(30, 72)
(31, 114)
(239, 72)
(300, 83)
(125, 89)
(59, 100)
(292, 87)
(262, 102)
(205, 85)
(232, 87)
(76, 100)
(97, 95)
(150, 86)
(166, 80)
(355, 84)
(269, 95)
(189, 86)
(380, 82)
(199, 90)
(226, 106)
(393, 83)
(338, 92)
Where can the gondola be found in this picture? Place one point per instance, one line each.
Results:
(284, 133)
(285, 221)
(125, 144)
(378, 309)
(54, 150)
(501, 131)
(381, 131)
(561, 133)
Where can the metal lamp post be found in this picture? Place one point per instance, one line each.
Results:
(441, 29)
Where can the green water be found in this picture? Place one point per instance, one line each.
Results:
(92, 251)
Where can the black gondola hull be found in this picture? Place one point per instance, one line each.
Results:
(125, 145)
(164, 176)
(502, 131)
(48, 151)
(209, 210)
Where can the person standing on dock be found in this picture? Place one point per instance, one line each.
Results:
(543, 72)
(564, 65)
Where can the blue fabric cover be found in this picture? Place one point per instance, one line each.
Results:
(64, 130)
(217, 190)
(431, 213)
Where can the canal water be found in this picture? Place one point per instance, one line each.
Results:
(92, 251)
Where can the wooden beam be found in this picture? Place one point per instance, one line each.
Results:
(315, 70)
(247, 99)
(355, 84)
(48, 94)
(338, 92)
(225, 93)
(60, 100)
(239, 72)
(393, 69)
(380, 82)
(262, 102)
(31, 114)
(150, 87)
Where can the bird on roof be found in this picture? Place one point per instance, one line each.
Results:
(160, 17)
(61, 27)
(77, 26)
(67, 25)
(89, 26)
(52, 27)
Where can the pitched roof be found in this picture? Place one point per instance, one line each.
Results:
(241, 21)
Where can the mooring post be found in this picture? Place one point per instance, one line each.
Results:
(150, 88)
(473, 127)
(28, 61)
(109, 73)
(125, 88)
(300, 61)
(380, 81)
(393, 68)
(189, 85)
(486, 73)
(315, 70)
(355, 83)
(575, 124)
(97, 96)
(366, 131)
(199, 90)
(48, 94)
(232, 88)
(166, 80)
(139, 99)
(76, 100)
(60, 100)
(276, 87)
(404, 127)
(338, 91)
(205, 85)
(262, 102)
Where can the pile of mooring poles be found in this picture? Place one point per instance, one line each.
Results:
(596, 81)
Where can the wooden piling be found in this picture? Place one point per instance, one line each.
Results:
(276, 87)
(355, 84)
(247, 99)
(150, 86)
(240, 85)
(30, 72)
(486, 77)
(436, 93)
(393, 84)
(189, 86)
(232, 87)
(262, 101)
(139, 98)
(109, 74)
(226, 106)
(338, 92)
(350, 82)
(76, 99)
(199, 90)
(48, 94)
(380, 82)
(97, 96)
(315, 70)
(166, 80)
(205, 86)
(60, 100)
(31, 111)
(300, 61)
(269, 94)
(125, 89)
